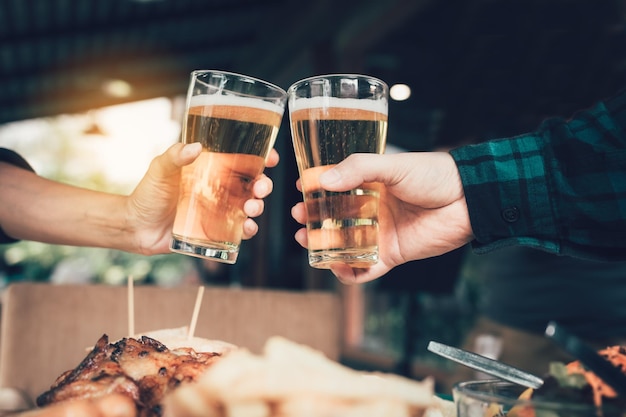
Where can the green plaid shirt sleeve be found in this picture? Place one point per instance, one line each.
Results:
(561, 189)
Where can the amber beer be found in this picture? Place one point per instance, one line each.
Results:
(237, 134)
(341, 226)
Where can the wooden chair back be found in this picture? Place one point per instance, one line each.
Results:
(47, 328)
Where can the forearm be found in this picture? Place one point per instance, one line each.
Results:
(34, 208)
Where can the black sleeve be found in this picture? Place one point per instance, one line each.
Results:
(12, 158)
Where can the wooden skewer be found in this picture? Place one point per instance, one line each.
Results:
(131, 307)
(196, 311)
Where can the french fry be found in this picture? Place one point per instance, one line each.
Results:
(290, 379)
(251, 408)
(332, 407)
(192, 400)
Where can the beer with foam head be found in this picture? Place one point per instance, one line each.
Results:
(237, 134)
(341, 226)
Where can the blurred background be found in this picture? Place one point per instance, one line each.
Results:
(92, 90)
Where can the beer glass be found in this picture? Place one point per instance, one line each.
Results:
(332, 117)
(236, 118)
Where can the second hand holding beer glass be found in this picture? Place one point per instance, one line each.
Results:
(236, 118)
(332, 117)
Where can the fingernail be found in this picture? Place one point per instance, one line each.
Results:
(263, 188)
(330, 177)
(192, 149)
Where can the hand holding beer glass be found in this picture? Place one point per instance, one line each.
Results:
(236, 118)
(332, 117)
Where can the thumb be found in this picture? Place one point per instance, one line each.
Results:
(358, 169)
(177, 156)
(182, 155)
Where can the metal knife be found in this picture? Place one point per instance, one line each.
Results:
(486, 365)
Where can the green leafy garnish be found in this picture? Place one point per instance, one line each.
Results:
(559, 371)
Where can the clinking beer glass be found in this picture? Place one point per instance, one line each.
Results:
(236, 118)
(332, 117)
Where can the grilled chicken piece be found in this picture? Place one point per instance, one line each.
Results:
(142, 369)
(156, 369)
(95, 376)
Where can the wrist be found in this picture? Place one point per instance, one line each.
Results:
(456, 189)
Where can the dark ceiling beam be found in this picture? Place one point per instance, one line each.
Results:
(193, 14)
(80, 84)
(115, 63)
(168, 84)
(131, 43)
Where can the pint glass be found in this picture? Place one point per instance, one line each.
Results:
(236, 118)
(332, 117)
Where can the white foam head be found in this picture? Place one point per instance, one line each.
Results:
(378, 106)
(231, 100)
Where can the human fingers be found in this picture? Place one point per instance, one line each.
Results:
(253, 208)
(250, 229)
(187, 154)
(178, 155)
(165, 168)
(426, 179)
(161, 181)
(355, 170)
(272, 159)
(152, 204)
(262, 186)
(298, 212)
(301, 237)
(350, 276)
(345, 273)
